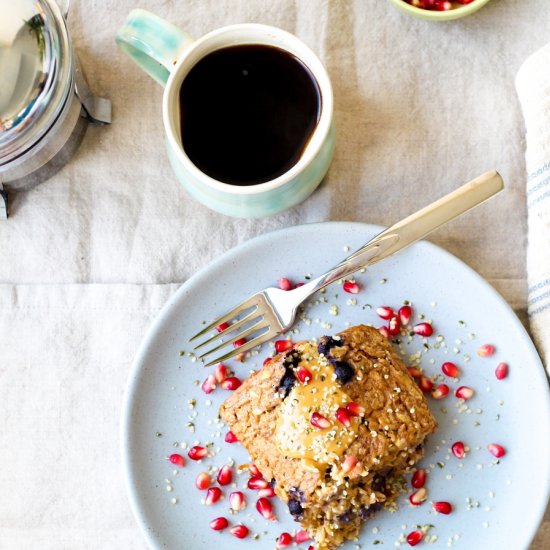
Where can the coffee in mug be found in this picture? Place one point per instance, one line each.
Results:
(247, 113)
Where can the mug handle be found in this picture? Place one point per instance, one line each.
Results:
(153, 43)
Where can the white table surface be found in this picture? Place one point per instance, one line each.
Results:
(90, 257)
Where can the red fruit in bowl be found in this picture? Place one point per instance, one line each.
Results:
(440, 391)
(415, 537)
(501, 371)
(239, 531)
(442, 507)
(419, 478)
(423, 329)
(459, 449)
(496, 450)
(283, 345)
(219, 524)
(385, 312)
(450, 369)
(351, 287)
(177, 459)
(405, 314)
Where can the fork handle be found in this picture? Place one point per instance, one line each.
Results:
(412, 228)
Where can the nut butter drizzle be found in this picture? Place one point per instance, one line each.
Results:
(296, 436)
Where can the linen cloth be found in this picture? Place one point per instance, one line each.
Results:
(533, 86)
(88, 258)
(66, 353)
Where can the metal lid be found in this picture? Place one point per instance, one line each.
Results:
(36, 64)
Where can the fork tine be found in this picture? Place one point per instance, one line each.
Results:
(231, 328)
(260, 339)
(261, 323)
(245, 304)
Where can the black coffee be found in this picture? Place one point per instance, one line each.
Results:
(247, 113)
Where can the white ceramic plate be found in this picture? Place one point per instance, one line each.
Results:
(496, 505)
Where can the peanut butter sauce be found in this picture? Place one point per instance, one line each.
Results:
(296, 436)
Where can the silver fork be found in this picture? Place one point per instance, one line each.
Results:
(272, 311)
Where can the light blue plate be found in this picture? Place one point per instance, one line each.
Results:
(497, 505)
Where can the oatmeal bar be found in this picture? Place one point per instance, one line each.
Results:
(334, 425)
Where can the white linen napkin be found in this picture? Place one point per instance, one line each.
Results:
(533, 88)
(66, 352)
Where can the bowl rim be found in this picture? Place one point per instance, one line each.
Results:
(455, 13)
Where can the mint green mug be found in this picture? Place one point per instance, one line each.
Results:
(168, 54)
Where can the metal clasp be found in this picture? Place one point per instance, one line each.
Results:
(98, 109)
(3, 203)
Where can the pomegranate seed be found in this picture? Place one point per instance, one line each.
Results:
(486, 350)
(425, 384)
(355, 409)
(222, 327)
(418, 497)
(384, 331)
(220, 373)
(458, 449)
(414, 537)
(298, 285)
(501, 371)
(450, 369)
(405, 314)
(268, 492)
(225, 475)
(254, 471)
(464, 392)
(496, 450)
(284, 540)
(285, 284)
(418, 479)
(283, 345)
(197, 452)
(265, 508)
(237, 501)
(212, 496)
(414, 372)
(239, 531)
(209, 385)
(231, 383)
(319, 421)
(440, 391)
(230, 437)
(464, 2)
(442, 5)
(351, 287)
(349, 464)
(203, 481)
(442, 507)
(238, 343)
(177, 459)
(343, 416)
(257, 482)
(385, 312)
(301, 536)
(267, 360)
(303, 375)
(394, 326)
(423, 329)
(219, 524)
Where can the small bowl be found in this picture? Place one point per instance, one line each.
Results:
(430, 15)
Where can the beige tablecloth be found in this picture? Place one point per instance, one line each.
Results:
(87, 259)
